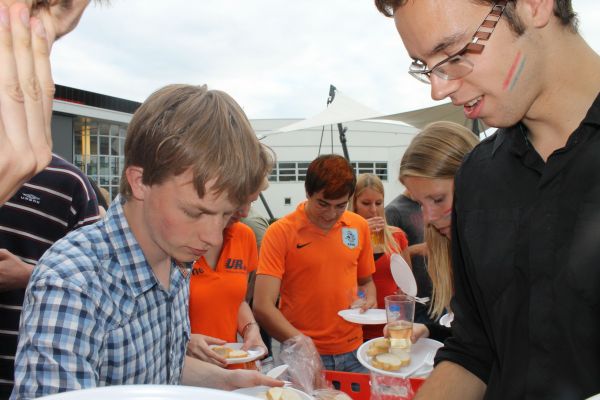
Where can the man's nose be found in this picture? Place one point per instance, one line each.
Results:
(243, 211)
(330, 212)
(442, 88)
(429, 215)
(211, 233)
(373, 209)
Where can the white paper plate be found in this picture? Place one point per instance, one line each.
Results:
(446, 320)
(373, 316)
(147, 392)
(258, 390)
(277, 371)
(254, 353)
(403, 275)
(418, 352)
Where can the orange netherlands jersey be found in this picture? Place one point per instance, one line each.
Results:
(318, 273)
(216, 295)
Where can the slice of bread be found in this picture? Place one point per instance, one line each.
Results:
(290, 395)
(378, 346)
(390, 362)
(277, 393)
(221, 350)
(237, 354)
(228, 352)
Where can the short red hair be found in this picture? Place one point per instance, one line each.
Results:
(332, 173)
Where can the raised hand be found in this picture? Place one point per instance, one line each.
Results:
(26, 94)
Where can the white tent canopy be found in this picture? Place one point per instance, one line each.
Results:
(344, 109)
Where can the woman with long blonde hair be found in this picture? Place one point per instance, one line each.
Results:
(367, 202)
(427, 170)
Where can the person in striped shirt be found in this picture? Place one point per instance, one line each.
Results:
(54, 202)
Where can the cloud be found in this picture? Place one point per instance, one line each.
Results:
(277, 59)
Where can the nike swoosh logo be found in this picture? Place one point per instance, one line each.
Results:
(299, 246)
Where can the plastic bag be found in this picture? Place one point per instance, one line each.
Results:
(305, 366)
(385, 387)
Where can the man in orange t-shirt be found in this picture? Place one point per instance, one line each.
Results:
(314, 258)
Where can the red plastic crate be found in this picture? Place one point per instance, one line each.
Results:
(361, 390)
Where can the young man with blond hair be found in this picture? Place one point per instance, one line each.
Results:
(108, 304)
(526, 219)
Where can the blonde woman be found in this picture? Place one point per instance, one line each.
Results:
(367, 202)
(427, 170)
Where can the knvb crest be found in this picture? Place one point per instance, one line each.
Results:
(350, 237)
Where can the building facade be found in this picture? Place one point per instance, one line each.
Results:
(89, 130)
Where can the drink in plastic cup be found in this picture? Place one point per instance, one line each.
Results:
(377, 238)
(400, 312)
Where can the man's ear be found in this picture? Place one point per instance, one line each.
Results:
(134, 177)
(535, 13)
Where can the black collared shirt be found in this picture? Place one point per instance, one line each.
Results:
(526, 244)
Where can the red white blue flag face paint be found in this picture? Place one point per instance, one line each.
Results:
(514, 72)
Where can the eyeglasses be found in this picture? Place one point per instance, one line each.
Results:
(457, 66)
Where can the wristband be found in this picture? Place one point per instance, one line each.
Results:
(248, 325)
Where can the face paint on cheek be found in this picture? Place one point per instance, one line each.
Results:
(447, 214)
(514, 72)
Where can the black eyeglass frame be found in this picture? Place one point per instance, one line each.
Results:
(419, 71)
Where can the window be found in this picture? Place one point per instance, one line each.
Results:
(98, 148)
(295, 171)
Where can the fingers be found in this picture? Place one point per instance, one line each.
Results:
(264, 380)
(29, 46)
(376, 224)
(419, 331)
(254, 341)
(12, 112)
(246, 345)
(206, 354)
(7, 255)
(24, 127)
(217, 359)
(43, 72)
(213, 340)
(367, 305)
(199, 347)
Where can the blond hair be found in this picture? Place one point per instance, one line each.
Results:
(181, 127)
(371, 181)
(436, 153)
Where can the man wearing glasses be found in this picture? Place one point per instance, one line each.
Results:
(526, 219)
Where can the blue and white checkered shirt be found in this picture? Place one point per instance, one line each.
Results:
(95, 315)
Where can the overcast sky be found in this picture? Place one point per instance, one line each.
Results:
(276, 58)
